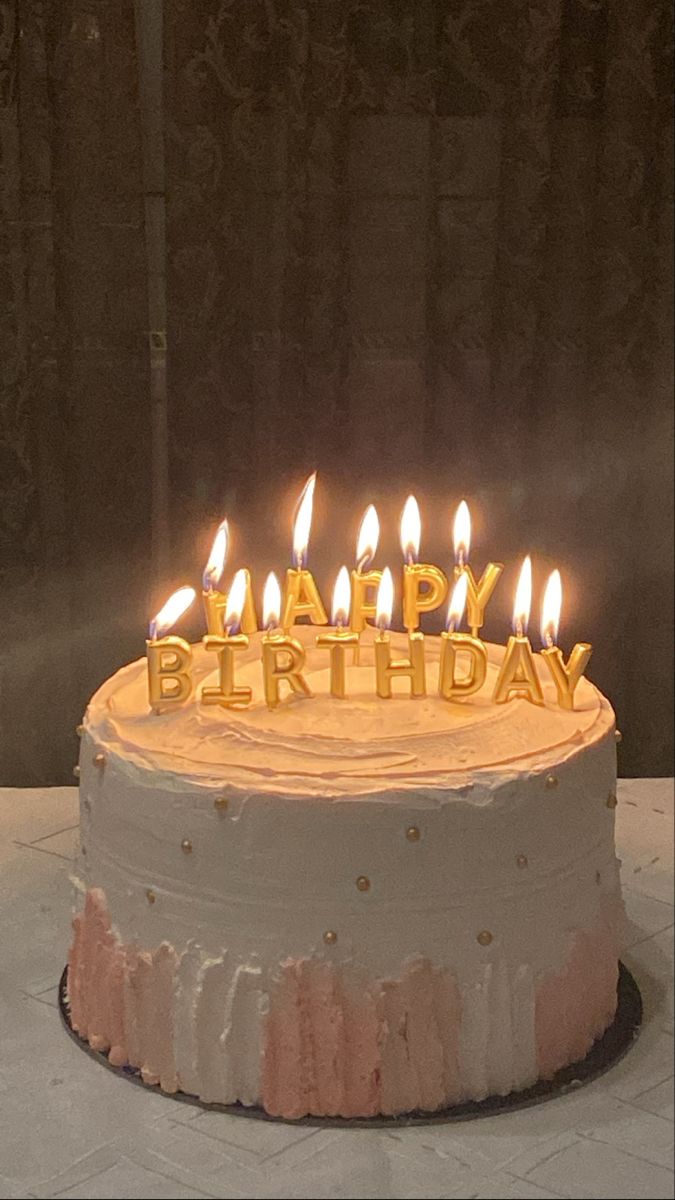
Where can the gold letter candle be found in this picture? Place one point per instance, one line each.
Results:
(302, 599)
(518, 672)
(364, 598)
(365, 583)
(302, 595)
(283, 657)
(387, 668)
(226, 645)
(338, 641)
(424, 585)
(215, 604)
(565, 676)
(169, 658)
(215, 601)
(480, 592)
(452, 686)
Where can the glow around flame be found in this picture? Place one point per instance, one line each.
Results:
(457, 603)
(214, 567)
(523, 602)
(342, 594)
(411, 529)
(235, 601)
(176, 605)
(550, 609)
(385, 600)
(369, 536)
(271, 602)
(303, 522)
(462, 532)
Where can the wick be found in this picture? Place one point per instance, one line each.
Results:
(152, 631)
(519, 628)
(451, 626)
(549, 641)
(460, 557)
(363, 563)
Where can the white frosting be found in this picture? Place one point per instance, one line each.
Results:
(322, 791)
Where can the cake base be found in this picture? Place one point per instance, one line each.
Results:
(608, 1050)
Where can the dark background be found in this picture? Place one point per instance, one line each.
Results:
(417, 245)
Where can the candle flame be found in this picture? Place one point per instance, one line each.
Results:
(457, 602)
(385, 600)
(462, 532)
(523, 602)
(411, 529)
(550, 609)
(303, 521)
(342, 597)
(271, 602)
(235, 601)
(214, 567)
(176, 605)
(369, 536)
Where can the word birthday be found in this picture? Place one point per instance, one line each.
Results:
(361, 599)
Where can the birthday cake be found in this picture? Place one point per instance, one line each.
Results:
(392, 888)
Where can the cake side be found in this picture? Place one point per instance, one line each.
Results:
(360, 945)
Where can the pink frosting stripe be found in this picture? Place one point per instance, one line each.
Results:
(121, 1000)
(336, 1045)
(575, 1006)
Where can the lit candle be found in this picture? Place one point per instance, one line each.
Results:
(565, 675)
(424, 585)
(169, 658)
(387, 668)
(283, 657)
(302, 595)
(365, 582)
(215, 601)
(226, 645)
(518, 673)
(450, 686)
(338, 641)
(479, 592)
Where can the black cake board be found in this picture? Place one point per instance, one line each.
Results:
(605, 1053)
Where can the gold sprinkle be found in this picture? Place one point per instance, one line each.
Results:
(551, 781)
(598, 877)
(521, 860)
(363, 883)
(618, 736)
(221, 803)
(330, 937)
(99, 759)
(79, 729)
(412, 833)
(150, 896)
(484, 937)
(76, 772)
(186, 846)
(612, 800)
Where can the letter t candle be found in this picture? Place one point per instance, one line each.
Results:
(565, 675)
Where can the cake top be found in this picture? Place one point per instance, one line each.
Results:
(362, 744)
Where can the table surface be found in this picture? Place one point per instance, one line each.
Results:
(71, 1128)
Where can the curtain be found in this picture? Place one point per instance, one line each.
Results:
(416, 245)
